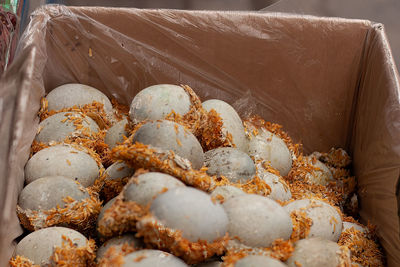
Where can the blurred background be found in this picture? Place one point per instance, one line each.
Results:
(14, 14)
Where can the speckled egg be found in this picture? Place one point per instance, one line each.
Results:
(326, 220)
(71, 94)
(169, 135)
(61, 125)
(269, 147)
(62, 160)
(230, 162)
(148, 185)
(38, 246)
(259, 261)
(157, 101)
(269, 220)
(116, 133)
(231, 121)
(48, 192)
(316, 252)
(152, 258)
(191, 211)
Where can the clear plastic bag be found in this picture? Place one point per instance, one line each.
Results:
(331, 83)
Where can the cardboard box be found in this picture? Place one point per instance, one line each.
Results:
(331, 82)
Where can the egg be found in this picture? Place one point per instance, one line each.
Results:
(62, 160)
(269, 220)
(269, 147)
(258, 261)
(230, 162)
(279, 188)
(168, 135)
(39, 246)
(227, 192)
(117, 243)
(61, 125)
(148, 185)
(152, 258)
(317, 252)
(119, 170)
(232, 123)
(326, 220)
(48, 192)
(104, 208)
(75, 94)
(191, 211)
(157, 101)
(116, 133)
(321, 175)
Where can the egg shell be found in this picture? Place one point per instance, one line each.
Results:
(315, 252)
(230, 162)
(326, 220)
(231, 120)
(258, 261)
(60, 126)
(48, 192)
(38, 246)
(62, 160)
(192, 212)
(269, 220)
(168, 135)
(116, 133)
(322, 176)
(119, 170)
(227, 192)
(149, 185)
(157, 101)
(71, 94)
(279, 188)
(269, 147)
(152, 258)
(117, 243)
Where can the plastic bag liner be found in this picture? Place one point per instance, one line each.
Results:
(331, 82)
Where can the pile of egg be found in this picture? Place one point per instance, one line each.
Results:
(148, 188)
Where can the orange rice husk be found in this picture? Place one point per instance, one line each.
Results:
(170, 240)
(78, 215)
(364, 250)
(113, 187)
(21, 261)
(120, 111)
(69, 255)
(301, 225)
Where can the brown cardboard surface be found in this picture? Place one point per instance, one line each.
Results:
(330, 82)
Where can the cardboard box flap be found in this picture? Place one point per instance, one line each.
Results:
(316, 76)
